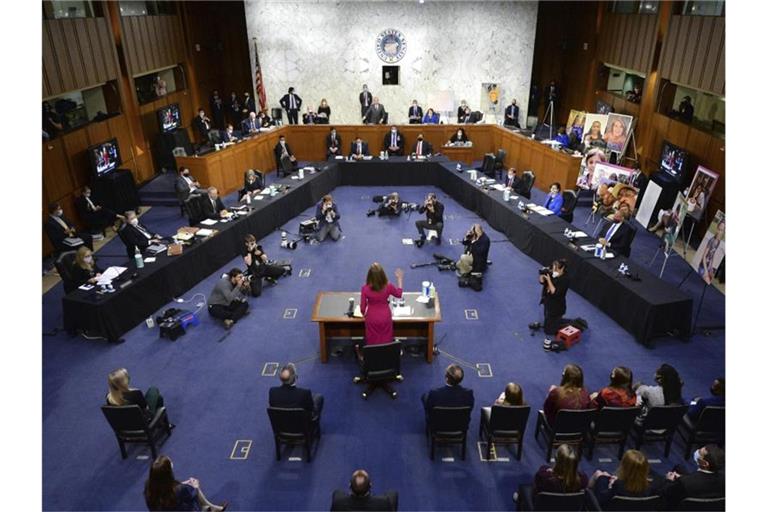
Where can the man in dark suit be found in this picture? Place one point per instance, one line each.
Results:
(707, 482)
(59, 229)
(229, 135)
(234, 109)
(512, 115)
(476, 248)
(421, 147)
(251, 125)
(358, 149)
(361, 497)
(617, 235)
(290, 396)
(375, 113)
(286, 161)
(333, 144)
(450, 395)
(463, 112)
(134, 234)
(415, 114)
(213, 208)
(393, 142)
(96, 217)
(291, 103)
(249, 104)
(202, 125)
(186, 185)
(434, 221)
(365, 100)
(217, 110)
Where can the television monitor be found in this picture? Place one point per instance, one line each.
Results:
(105, 157)
(673, 161)
(169, 118)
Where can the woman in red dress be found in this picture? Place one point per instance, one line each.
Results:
(374, 304)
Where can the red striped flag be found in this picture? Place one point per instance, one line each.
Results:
(259, 82)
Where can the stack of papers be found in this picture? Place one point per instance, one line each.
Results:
(579, 234)
(357, 313)
(539, 209)
(204, 232)
(108, 275)
(402, 311)
(499, 187)
(208, 222)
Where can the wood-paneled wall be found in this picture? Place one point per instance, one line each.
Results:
(77, 54)
(152, 42)
(628, 40)
(693, 53)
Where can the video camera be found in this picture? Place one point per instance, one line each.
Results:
(545, 271)
(444, 263)
(287, 244)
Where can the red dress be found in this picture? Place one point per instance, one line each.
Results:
(378, 317)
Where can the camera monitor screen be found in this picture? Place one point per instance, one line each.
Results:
(105, 157)
(673, 160)
(169, 118)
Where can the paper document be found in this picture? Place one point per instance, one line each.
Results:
(150, 259)
(402, 311)
(579, 234)
(208, 222)
(588, 247)
(357, 313)
(184, 235)
(369, 157)
(423, 299)
(407, 241)
(108, 275)
(204, 232)
(499, 187)
(86, 287)
(339, 157)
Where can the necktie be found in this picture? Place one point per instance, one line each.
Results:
(293, 102)
(359, 149)
(143, 231)
(393, 140)
(418, 149)
(612, 230)
(90, 204)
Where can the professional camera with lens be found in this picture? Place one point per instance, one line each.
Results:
(545, 271)
(287, 244)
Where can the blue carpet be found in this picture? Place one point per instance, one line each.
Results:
(216, 395)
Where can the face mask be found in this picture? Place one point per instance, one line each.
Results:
(88, 259)
(555, 274)
(421, 138)
(696, 457)
(87, 194)
(393, 132)
(186, 173)
(59, 213)
(134, 221)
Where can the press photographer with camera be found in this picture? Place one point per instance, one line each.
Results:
(434, 221)
(555, 283)
(390, 206)
(328, 217)
(476, 248)
(228, 301)
(258, 266)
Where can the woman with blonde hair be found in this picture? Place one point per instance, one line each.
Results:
(374, 305)
(84, 270)
(120, 393)
(323, 112)
(633, 479)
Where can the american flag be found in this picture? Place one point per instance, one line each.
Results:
(259, 82)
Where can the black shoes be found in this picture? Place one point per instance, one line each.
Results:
(370, 213)
(534, 326)
(419, 243)
(438, 240)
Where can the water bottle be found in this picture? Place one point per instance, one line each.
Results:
(138, 258)
(351, 309)
(425, 288)
(506, 195)
(432, 291)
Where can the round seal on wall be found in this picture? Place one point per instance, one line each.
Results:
(391, 45)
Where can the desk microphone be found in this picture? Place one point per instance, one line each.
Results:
(351, 309)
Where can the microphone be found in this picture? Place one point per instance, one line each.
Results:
(351, 309)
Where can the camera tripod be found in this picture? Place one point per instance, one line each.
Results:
(550, 111)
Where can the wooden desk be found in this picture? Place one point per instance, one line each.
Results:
(461, 154)
(330, 314)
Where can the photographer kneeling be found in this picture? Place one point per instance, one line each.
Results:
(258, 266)
(555, 283)
(390, 206)
(228, 301)
(434, 221)
(476, 248)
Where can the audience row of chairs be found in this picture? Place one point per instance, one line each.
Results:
(586, 500)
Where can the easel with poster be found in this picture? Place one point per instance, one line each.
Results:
(701, 189)
(706, 262)
(672, 222)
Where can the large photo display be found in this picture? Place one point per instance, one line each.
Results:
(711, 252)
(701, 189)
(617, 132)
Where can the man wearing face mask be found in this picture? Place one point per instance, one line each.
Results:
(228, 301)
(258, 266)
(333, 144)
(618, 235)
(375, 113)
(286, 161)
(555, 283)
(511, 115)
(228, 135)
(328, 216)
(134, 235)
(291, 103)
(251, 125)
(365, 100)
(707, 482)
(186, 185)
(476, 248)
(62, 232)
(421, 147)
(213, 208)
(415, 113)
(393, 141)
(96, 217)
(434, 221)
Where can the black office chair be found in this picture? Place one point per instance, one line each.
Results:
(448, 426)
(660, 425)
(625, 503)
(380, 365)
(525, 184)
(569, 205)
(709, 428)
(489, 165)
(293, 426)
(612, 426)
(549, 500)
(571, 426)
(131, 426)
(130, 249)
(277, 116)
(194, 208)
(702, 504)
(498, 165)
(506, 425)
(63, 264)
(214, 137)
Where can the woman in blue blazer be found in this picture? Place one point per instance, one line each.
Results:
(554, 199)
(431, 117)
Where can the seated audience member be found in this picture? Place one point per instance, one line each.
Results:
(434, 221)
(390, 206)
(450, 395)
(464, 112)
(512, 115)
(707, 482)
(289, 396)
(328, 217)
(564, 476)
(135, 235)
(120, 393)
(213, 207)
(163, 492)
(186, 185)
(358, 149)
(421, 147)
(511, 396)
(667, 391)
(554, 201)
(431, 117)
(511, 179)
(717, 399)
(617, 235)
(323, 112)
(228, 301)
(258, 266)
(361, 497)
(59, 229)
(286, 161)
(52, 121)
(633, 479)
(562, 137)
(202, 125)
(264, 120)
(415, 113)
(228, 135)
(333, 144)
(96, 217)
(252, 185)
(393, 142)
(570, 394)
(250, 125)
(459, 137)
(84, 270)
(309, 117)
(476, 248)
(618, 393)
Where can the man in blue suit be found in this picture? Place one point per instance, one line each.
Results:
(450, 395)
(290, 396)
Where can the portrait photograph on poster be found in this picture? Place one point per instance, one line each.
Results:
(575, 123)
(594, 129)
(701, 189)
(711, 252)
(617, 132)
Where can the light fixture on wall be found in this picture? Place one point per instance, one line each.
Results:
(421, 1)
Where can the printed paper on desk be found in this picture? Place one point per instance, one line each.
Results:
(402, 311)
(108, 275)
(357, 313)
(208, 222)
(369, 157)
(579, 234)
(499, 187)
(204, 232)
(339, 157)
(150, 260)
(588, 247)
(85, 287)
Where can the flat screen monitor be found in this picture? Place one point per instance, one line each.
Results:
(674, 161)
(169, 118)
(105, 157)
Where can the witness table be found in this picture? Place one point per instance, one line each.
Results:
(330, 313)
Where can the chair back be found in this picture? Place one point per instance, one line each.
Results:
(64, 264)
(449, 421)
(277, 114)
(664, 417)
(382, 361)
(489, 165)
(631, 503)
(194, 208)
(529, 178)
(631, 237)
(559, 501)
(569, 204)
(290, 423)
(125, 420)
(712, 420)
(702, 504)
(617, 420)
(500, 156)
(509, 420)
(214, 136)
(573, 422)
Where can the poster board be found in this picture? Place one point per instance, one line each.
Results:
(711, 251)
(648, 204)
(575, 123)
(490, 97)
(594, 128)
(701, 189)
(617, 132)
